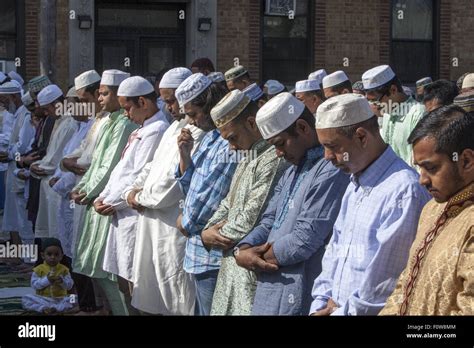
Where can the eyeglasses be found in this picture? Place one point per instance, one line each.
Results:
(377, 102)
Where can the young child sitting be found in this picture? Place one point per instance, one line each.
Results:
(51, 280)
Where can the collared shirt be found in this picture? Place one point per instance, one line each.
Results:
(297, 222)
(142, 144)
(371, 238)
(205, 183)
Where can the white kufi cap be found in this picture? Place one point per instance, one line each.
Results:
(278, 114)
(274, 87)
(174, 77)
(113, 77)
(49, 94)
(343, 110)
(135, 86)
(334, 79)
(86, 79)
(377, 77)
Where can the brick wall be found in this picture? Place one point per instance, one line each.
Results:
(357, 30)
(460, 43)
(62, 44)
(31, 59)
(238, 35)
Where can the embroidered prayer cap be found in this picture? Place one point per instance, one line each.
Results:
(318, 75)
(216, 76)
(49, 94)
(274, 87)
(253, 92)
(278, 114)
(229, 108)
(113, 77)
(135, 86)
(10, 87)
(378, 76)
(468, 81)
(235, 72)
(334, 79)
(174, 77)
(26, 99)
(307, 86)
(424, 82)
(86, 79)
(358, 86)
(466, 101)
(17, 77)
(191, 88)
(37, 83)
(343, 110)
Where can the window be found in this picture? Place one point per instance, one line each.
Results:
(8, 30)
(287, 43)
(414, 43)
(147, 32)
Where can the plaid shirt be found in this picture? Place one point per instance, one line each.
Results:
(371, 239)
(205, 183)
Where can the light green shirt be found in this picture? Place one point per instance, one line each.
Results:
(398, 125)
(91, 238)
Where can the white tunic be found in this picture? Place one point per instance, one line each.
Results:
(15, 214)
(63, 187)
(46, 221)
(143, 142)
(161, 286)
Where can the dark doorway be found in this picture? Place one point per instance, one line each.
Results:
(140, 37)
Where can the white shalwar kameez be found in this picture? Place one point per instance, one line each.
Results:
(161, 286)
(120, 245)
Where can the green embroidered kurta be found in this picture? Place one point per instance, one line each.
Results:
(250, 190)
(90, 243)
(398, 126)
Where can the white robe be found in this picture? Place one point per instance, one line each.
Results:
(66, 182)
(161, 286)
(15, 214)
(118, 255)
(46, 222)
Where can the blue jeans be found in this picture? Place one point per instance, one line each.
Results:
(205, 285)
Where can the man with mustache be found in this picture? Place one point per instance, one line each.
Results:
(439, 277)
(379, 212)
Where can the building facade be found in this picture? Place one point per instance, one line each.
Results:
(279, 39)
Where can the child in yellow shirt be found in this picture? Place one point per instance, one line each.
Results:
(51, 280)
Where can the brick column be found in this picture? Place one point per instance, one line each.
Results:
(31, 59)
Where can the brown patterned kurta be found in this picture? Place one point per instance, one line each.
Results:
(439, 277)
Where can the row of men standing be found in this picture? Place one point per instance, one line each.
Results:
(188, 227)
